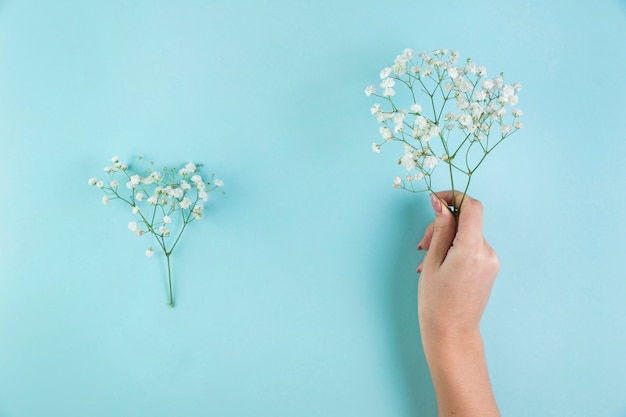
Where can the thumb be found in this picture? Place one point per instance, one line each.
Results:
(443, 234)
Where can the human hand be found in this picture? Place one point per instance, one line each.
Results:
(458, 271)
(457, 275)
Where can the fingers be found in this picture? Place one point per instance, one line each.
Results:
(443, 231)
(470, 229)
(428, 235)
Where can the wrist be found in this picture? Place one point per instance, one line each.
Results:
(446, 341)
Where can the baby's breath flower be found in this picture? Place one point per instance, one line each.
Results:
(185, 203)
(460, 106)
(166, 191)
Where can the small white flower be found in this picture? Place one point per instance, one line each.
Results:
(149, 252)
(200, 186)
(375, 108)
(167, 219)
(407, 161)
(465, 120)
(156, 175)
(100, 184)
(418, 176)
(386, 133)
(370, 90)
(197, 211)
(218, 182)
(92, 181)
(115, 183)
(107, 169)
(185, 203)
(408, 54)
(148, 180)
(416, 108)
(430, 161)
(139, 196)
(185, 185)
(518, 125)
(453, 72)
(376, 147)
(135, 210)
(387, 82)
(135, 180)
(505, 128)
(196, 179)
(389, 92)
(202, 195)
(105, 200)
(397, 181)
(153, 199)
(488, 84)
(385, 73)
(480, 95)
(132, 226)
(517, 113)
(115, 159)
(164, 231)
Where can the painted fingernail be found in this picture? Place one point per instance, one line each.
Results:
(420, 247)
(435, 203)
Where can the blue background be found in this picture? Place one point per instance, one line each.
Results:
(296, 295)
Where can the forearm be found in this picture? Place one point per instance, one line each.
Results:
(459, 373)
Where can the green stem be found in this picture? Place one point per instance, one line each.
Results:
(169, 278)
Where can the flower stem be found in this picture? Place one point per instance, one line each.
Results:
(169, 278)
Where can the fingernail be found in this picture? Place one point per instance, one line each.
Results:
(436, 203)
(420, 247)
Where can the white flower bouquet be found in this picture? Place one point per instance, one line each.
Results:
(162, 202)
(445, 114)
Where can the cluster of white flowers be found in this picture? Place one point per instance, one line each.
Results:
(162, 202)
(445, 114)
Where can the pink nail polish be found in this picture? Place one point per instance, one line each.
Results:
(435, 203)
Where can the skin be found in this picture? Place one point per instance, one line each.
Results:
(457, 275)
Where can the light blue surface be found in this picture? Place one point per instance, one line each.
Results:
(296, 294)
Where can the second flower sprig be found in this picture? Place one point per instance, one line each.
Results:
(164, 201)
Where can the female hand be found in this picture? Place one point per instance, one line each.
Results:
(457, 275)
